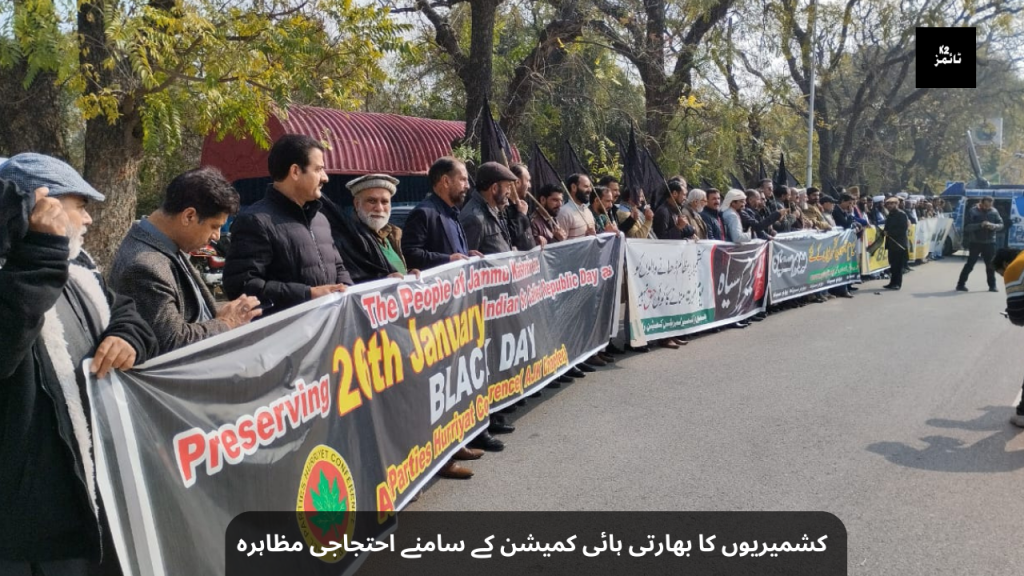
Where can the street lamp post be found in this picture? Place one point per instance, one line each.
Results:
(810, 115)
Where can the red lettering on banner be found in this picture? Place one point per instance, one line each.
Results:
(232, 442)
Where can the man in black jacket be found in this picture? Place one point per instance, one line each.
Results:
(751, 216)
(55, 312)
(282, 251)
(897, 225)
(517, 214)
(669, 221)
(712, 217)
(433, 235)
(481, 219)
(980, 226)
(371, 244)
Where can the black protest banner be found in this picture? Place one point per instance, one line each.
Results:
(347, 403)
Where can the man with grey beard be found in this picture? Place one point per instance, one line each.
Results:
(369, 243)
(55, 313)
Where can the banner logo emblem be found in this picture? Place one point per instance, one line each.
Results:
(326, 502)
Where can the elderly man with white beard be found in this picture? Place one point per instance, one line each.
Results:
(55, 312)
(370, 245)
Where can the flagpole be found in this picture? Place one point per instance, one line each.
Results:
(810, 116)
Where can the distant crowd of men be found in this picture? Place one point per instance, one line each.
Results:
(292, 246)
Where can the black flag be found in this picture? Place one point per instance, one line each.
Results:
(571, 163)
(632, 170)
(780, 174)
(793, 182)
(735, 182)
(542, 172)
(653, 179)
(706, 184)
(761, 172)
(494, 146)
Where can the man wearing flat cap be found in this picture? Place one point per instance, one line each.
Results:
(55, 312)
(371, 245)
(486, 230)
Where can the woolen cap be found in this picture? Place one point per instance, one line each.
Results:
(389, 183)
(30, 171)
(490, 172)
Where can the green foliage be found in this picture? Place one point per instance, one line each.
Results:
(202, 67)
(604, 159)
(330, 506)
(467, 153)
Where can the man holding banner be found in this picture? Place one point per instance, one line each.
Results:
(55, 312)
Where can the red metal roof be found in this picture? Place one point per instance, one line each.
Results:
(360, 143)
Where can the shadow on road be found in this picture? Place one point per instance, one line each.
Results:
(947, 454)
(948, 294)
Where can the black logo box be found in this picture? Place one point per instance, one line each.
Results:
(734, 544)
(946, 58)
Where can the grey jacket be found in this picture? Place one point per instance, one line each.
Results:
(485, 232)
(974, 233)
(146, 271)
(734, 227)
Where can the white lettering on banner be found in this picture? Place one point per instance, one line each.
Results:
(471, 375)
(786, 261)
(516, 350)
(231, 443)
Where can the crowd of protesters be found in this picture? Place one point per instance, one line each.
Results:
(292, 246)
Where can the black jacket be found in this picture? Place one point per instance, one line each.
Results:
(665, 227)
(279, 250)
(519, 228)
(713, 220)
(44, 494)
(426, 241)
(756, 224)
(897, 226)
(974, 233)
(360, 246)
(843, 220)
(485, 232)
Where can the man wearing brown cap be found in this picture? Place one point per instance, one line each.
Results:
(486, 231)
(371, 245)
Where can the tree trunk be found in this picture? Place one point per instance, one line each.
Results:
(113, 150)
(113, 156)
(533, 70)
(31, 119)
(661, 102)
(477, 74)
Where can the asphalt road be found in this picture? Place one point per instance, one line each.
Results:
(891, 411)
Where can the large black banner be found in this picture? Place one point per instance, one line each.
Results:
(350, 402)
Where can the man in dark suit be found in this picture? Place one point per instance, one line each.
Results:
(433, 235)
(897, 225)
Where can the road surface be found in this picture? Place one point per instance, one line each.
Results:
(891, 411)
